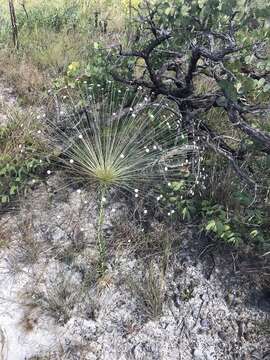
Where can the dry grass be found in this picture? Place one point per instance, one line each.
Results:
(25, 77)
(150, 291)
(4, 236)
(156, 241)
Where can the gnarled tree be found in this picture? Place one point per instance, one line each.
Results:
(211, 58)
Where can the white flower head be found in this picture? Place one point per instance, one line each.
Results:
(122, 156)
(71, 161)
(145, 211)
(49, 172)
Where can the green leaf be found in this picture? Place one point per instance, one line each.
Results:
(167, 11)
(185, 10)
(4, 199)
(13, 190)
(186, 214)
(177, 185)
(211, 226)
(228, 89)
(266, 88)
(254, 233)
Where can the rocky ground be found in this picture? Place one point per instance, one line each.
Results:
(7, 99)
(167, 293)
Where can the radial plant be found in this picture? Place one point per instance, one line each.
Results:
(136, 149)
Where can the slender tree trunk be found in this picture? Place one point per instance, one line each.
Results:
(13, 24)
(129, 10)
(24, 9)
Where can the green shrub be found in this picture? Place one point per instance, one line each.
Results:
(22, 154)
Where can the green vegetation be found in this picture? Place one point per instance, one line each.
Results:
(23, 154)
(213, 76)
(134, 168)
(216, 71)
(128, 150)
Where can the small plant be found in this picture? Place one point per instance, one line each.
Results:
(58, 297)
(150, 292)
(180, 196)
(130, 149)
(22, 154)
(187, 293)
(4, 236)
(218, 222)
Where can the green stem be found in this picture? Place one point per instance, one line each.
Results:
(100, 236)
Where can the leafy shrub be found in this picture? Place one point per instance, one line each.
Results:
(216, 220)
(22, 154)
(231, 70)
(81, 75)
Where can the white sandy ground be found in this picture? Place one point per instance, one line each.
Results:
(15, 342)
(7, 100)
(203, 327)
